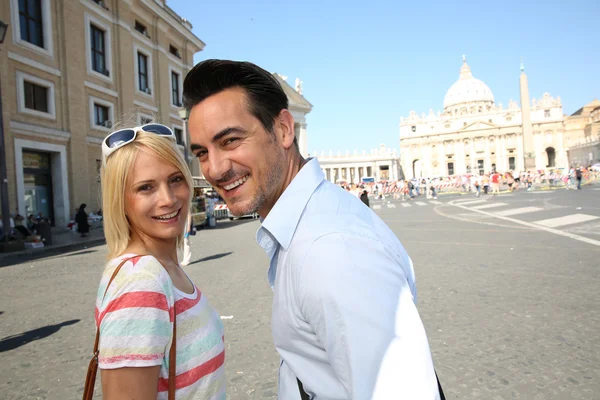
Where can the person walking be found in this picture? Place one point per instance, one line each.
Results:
(187, 248)
(579, 177)
(81, 218)
(158, 334)
(364, 197)
(344, 318)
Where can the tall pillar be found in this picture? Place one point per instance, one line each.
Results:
(528, 148)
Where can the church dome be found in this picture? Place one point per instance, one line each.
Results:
(468, 90)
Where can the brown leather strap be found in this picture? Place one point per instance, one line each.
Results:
(90, 380)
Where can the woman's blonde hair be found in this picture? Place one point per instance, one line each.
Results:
(114, 175)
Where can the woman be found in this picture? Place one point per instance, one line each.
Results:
(81, 218)
(146, 194)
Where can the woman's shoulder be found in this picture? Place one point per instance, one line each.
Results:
(135, 264)
(137, 273)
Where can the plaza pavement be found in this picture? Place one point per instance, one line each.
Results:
(510, 305)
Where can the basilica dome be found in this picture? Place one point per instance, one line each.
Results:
(467, 91)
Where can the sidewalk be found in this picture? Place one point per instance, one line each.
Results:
(63, 241)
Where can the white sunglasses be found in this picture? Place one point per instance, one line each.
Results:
(123, 137)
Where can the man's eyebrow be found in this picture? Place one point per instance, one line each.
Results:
(219, 136)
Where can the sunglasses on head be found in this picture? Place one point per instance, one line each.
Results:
(123, 137)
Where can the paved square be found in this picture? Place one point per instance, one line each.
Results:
(511, 312)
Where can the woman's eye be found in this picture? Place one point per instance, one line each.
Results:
(177, 179)
(144, 188)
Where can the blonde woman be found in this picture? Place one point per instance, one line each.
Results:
(146, 194)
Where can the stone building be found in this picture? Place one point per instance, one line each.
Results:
(380, 164)
(583, 130)
(474, 134)
(70, 69)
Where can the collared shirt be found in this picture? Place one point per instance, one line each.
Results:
(344, 316)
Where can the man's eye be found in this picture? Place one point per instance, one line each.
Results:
(201, 153)
(230, 141)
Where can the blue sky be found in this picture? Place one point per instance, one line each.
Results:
(366, 64)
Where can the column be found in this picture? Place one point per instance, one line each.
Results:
(488, 157)
(442, 167)
(562, 160)
(302, 140)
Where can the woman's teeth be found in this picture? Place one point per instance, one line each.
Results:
(168, 216)
(236, 183)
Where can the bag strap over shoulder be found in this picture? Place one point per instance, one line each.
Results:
(172, 351)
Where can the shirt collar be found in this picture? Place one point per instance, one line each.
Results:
(285, 215)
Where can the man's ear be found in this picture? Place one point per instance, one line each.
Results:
(285, 125)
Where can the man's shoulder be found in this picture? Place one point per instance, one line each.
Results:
(332, 211)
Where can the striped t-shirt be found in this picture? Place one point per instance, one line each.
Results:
(136, 328)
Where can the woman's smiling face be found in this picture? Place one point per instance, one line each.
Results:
(157, 197)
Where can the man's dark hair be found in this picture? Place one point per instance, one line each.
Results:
(266, 97)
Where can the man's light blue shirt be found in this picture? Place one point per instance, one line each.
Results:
(344, 317)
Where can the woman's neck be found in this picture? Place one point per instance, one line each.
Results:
(164, 250)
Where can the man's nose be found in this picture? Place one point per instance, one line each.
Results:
(218, 166)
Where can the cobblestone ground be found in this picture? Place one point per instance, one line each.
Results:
(511, 313)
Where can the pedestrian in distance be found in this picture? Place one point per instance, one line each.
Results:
(344, 319)
(364, 197)
(81, 218)
(579, 177)
(187, 248)
(158, 334)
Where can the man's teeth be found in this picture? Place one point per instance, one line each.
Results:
(168, 216)
(236, 183)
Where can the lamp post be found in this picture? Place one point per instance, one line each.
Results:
(3, 178)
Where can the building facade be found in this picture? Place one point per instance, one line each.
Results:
(69, 71)
(584, 148)
(473, 134)
(380, 164)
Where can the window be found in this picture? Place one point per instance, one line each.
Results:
(546, 113)
(414, 128)
(480, 167)
(175, 89)
(143, 73)
(144, 119)
(179, 135)
(142, 61)
(464, 124)
(32, 25)
(36, 97)
(509, 119)
(141, 28)
(511, 163)
(450, 168)
(101, 115)
(30, 22)
(174, 50)
(101, 3)
(98, 48)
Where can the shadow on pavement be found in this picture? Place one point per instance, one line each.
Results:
(225, 223)
(8, 259)
(81, 253)
(213, 257)
(12, 342)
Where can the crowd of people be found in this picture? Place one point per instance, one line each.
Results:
(486, 183)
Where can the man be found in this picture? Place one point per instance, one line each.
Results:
(344, 319)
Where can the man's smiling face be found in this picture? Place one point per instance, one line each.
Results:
(243, 161)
